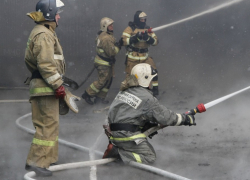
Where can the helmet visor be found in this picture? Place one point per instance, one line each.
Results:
(59, 11)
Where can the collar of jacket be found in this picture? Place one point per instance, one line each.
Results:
(36, 16)
(39, 19)
(51, 25)
(111, 33)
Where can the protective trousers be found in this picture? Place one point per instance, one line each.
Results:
(101, 87)
(131, 63)
(45, 118)
(141, 153)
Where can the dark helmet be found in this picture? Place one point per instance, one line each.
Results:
(49, 8)
(138, 15)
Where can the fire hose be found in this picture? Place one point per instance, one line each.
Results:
(199, 109)
(145, 167)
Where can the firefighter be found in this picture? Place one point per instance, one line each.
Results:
(44, 59)
(106, 49)
(137, 41)
(132, 113)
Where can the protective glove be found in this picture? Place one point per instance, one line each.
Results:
(70, 100)
(120, 42)
(134, 39)
(150, 40)
(117, 44)
(145, 36)
(60, 93)
(149, 125)
(139, 35)
(189, 120)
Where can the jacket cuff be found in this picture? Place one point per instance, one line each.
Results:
(57, 84)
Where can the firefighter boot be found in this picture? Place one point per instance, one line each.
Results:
(102, 100)
(43, 172)
(111, 152)
(87, 98)
(155, 90)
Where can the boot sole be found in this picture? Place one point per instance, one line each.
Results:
(84, 97)
(38, 173)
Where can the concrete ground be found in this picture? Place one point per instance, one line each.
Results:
(217, 148)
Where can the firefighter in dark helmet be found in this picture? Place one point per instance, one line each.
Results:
(137, 41)
(45, 60)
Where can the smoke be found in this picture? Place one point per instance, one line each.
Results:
(198, 61)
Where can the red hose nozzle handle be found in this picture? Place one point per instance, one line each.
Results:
(201, 108)
(150, 30)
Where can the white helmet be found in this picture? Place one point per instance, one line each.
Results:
(105, 22)
(142, 15)
(144, 73)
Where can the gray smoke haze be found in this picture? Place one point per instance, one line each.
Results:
(198, 61)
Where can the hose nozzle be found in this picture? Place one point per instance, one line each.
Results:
(200, 108)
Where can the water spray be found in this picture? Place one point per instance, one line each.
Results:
(151, 30)
(203, 107)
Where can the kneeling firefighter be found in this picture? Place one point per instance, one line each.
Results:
(48, 97)
(137, 40)
(106, 49)
(133, 112)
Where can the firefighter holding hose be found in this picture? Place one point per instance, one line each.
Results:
(131, 115)
(137, 40)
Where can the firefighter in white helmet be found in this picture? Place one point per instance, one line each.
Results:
(134, 111)
(106, 49)
(137, 41)
(44, 59)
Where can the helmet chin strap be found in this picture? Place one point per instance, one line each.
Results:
(108, 31)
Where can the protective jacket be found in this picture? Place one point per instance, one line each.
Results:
(44, 59)
(106, 49)
(136, 106)
(139, 50)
